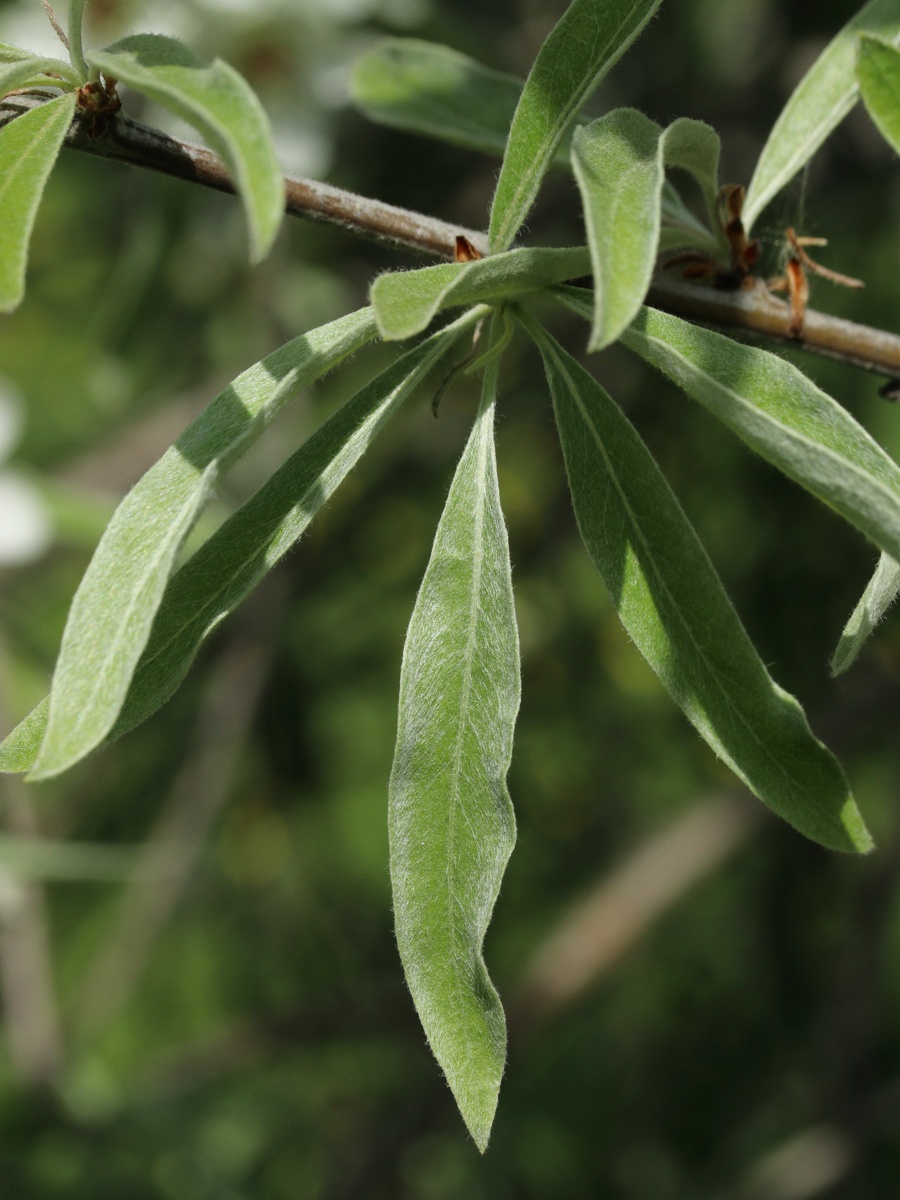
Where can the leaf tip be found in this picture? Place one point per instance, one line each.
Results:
(841, 660)
(9, 304)
(477, 1107)
(863, 842)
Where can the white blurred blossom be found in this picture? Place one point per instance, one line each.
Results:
(25, 529)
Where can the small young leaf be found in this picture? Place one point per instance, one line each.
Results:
(219, 103)
(11, 54)
(619, 163)
(694, 146)
(451, 822)
(818, 104)
(436, 91)
(29, 146)
(76, 45)
(28, 70)
(680, 228)
(783, 416)
(878, 70)
(671, 602)
(881, 592)
(618, 166)
(406, 302)
(114, 608)
(229, 565)
(587, 41)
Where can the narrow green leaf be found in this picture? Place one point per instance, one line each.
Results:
(451, 822)
(226, 568)
(881, 592)
(672, 604)
(29, 146)
(11, 54)
(587, 41)
(406, 302)
(219, 103)
(433, 90)
(783, 416)
(430, 89)
(818, 104)
(27, 70)
(114, 608)
(76, 44)
(878, 71)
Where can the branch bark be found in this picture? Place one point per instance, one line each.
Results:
(753, 310)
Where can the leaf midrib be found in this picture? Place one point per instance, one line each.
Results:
(714, 674)
(889, 491)
(34, 145)
(555, 133)
(81, 718)
(465, 692)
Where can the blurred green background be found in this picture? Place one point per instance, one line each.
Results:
(201, 994)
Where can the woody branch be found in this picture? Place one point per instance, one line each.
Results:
(751, 310)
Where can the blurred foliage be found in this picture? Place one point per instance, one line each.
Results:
(232, 1022)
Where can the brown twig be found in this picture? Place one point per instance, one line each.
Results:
(753, 310)
(131, 142)
(621, 907)
(756, 311)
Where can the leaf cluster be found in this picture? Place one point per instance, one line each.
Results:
(140, 615)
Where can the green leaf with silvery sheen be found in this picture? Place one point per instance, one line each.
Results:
(619, 163)
(29, 146)
(433, 90)
(406, 302)
(219, 103)
(11, 54)
(817, 105)
(587, 41)
(881, 592)
(115, 605)
(451, 822)
(878, 70)
(671, 602)
(18, 69)
(232, 562)
(783, 416)
(76, 45)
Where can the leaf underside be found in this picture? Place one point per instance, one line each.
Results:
(451, 821)
(406, 302)
(619, 163)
